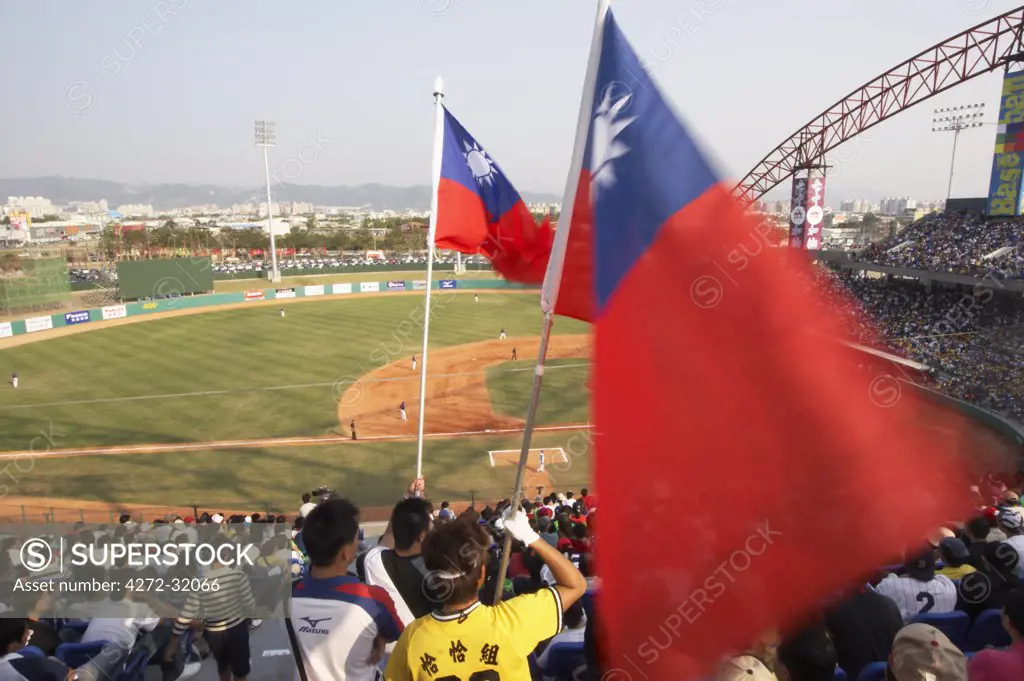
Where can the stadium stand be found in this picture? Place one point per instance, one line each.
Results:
(957, 244)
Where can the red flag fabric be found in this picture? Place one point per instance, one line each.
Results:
(479, 211)
(747, 468)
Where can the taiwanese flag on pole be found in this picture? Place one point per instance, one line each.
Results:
(747, 469)
(479, 211)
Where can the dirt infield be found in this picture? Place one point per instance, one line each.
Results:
(457, 394)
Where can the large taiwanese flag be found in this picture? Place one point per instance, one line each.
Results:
(479, 211)
(747, 470)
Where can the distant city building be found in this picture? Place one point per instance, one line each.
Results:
(34, 206)
(896, 205)
(88, 207)
(136, 210)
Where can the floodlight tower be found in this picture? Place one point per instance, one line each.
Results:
(955, 119)
(266, 137)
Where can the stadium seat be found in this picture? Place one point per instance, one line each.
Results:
(588, 603)
(76, 654)
(987, 631)
(840, 675)
(953, 624)
(31, 651)
(563, 659)
(135, 668)
(873, 672)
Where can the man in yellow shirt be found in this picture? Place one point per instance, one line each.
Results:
(465, 640)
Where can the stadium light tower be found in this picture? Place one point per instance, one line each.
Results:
(266, 136)
(955, 119)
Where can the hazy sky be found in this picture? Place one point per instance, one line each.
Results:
(140, 91)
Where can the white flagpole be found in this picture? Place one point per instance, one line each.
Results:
(436, 170)
(552, 277)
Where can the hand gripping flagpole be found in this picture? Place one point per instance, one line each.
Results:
(554, 274)
(438, 142)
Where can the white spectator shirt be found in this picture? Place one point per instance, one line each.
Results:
(336, 621)
(107, 626)
(306, 508)
(914, 597)
(1017, 542)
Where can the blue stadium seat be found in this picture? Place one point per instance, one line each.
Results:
(987, 631)
(77, 654)
(135, 668)
(840, 674)
(953, 624)
(873, 672)
(563, 659)
(588, 603)
(31, 651)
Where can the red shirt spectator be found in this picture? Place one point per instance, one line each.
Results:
(589, 500)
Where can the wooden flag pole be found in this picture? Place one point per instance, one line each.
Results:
(524, 453)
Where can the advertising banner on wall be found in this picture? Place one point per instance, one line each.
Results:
(255, 295)
(33, 324)
(6, 331)
(317, 290)
(285, 293)
(79, 317)
(815, 213)
(369, 286)
(396, 285)
(115, 311)
(419, 285)
(341, 288)
(798, 212)
(447, 283)
(1004, 190)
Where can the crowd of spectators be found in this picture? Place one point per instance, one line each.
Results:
(975, 339)
(419, 603)
(957, 244)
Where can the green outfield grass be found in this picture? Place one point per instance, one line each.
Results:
(371, 474)
(228, 286)
(564, 398)
(279, 371)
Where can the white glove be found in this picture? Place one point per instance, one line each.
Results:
(518, 525)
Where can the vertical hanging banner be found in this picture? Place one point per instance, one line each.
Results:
(1004, 194)
(815, 213)
(798, 212)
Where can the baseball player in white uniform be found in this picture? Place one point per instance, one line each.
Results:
(501, 335)
(401, 411)
(414, 362)
(282, 311)
(14, 379)
(540, 468)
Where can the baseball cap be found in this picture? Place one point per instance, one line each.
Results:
(922, 567)
(216, 518)
(955, 549)
(1010, 519)
(744, 668)
(921, 651)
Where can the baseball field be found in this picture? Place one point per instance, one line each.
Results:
(241, 407)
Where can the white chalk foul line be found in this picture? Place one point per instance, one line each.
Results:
(271, 442)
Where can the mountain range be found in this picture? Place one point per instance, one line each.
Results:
(63, 190)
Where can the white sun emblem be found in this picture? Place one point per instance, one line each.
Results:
(604, 147)
(480, 164)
